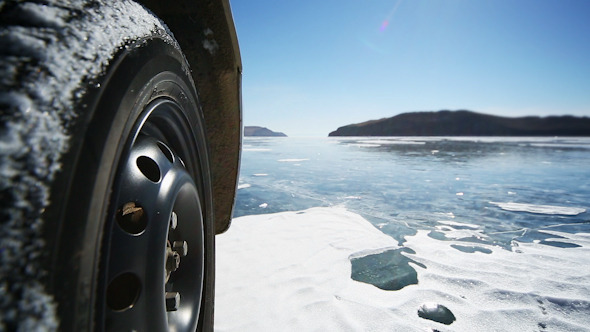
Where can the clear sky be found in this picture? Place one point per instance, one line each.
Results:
(311, 66)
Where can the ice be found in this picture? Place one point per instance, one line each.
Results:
(460, 224)
(461, 232)
(468, 255)
(540, 209)
(392, 142)
(580, 239)
(582, 145)
(288, 271)
(291, 272)
(256, 149)
(436, 312)
(471, 249)
(365, 145)
(292, 160)
(388, 270)
(458, 230)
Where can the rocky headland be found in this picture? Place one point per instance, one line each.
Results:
(261, 132)
(467, 123)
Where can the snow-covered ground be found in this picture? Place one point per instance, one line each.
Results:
(291, 271)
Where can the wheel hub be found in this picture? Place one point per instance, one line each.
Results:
(153, 280)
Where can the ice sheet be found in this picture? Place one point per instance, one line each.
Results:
(292, 160)
(541, 209)
(392, 142)
(291, 272)
(256, 149)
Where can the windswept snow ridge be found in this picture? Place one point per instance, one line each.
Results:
(49, 53)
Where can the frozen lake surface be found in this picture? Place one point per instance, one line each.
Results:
(373, 229)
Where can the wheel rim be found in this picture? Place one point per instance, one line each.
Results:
(155, 268)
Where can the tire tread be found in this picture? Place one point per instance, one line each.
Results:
(51, 54)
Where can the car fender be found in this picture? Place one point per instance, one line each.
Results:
(206, 33)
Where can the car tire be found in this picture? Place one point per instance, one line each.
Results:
(106, 183)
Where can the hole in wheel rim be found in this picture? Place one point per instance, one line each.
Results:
(123, 292)
(132, 218)
(149, 168)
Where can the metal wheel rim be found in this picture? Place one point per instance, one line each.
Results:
(155, 269)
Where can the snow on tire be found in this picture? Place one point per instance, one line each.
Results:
(51, 54)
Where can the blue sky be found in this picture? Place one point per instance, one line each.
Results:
(313, 66)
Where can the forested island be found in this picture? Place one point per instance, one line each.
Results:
(261, 132)
(467, 123)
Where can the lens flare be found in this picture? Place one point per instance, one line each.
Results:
(389, 16)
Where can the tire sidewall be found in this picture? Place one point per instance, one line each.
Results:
(115, 110)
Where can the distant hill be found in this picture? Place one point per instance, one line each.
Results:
(261, 131)
(467, 123)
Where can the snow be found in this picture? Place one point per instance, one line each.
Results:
(43, 15)
(71, 43)
(291, 271)
(210, 44)
(271, 270)
(540, 209)
(460, 224)
(292, 160)
(255, 149)
(353, 197)
(391, 142)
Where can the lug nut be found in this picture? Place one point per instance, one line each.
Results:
(180, 247)
(173, 220)
(172, 261)
(172, 301)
